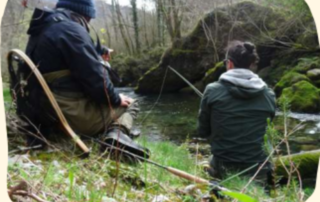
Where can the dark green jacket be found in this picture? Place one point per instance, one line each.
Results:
(234, 119)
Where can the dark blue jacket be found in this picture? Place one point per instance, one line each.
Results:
(58, 42)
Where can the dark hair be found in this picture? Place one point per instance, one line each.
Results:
(242, 54)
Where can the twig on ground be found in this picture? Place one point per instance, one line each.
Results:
(31, 195)
(25, 149)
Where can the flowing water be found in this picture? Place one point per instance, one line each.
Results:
(174, 118)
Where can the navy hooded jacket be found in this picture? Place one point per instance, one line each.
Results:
(58, 42)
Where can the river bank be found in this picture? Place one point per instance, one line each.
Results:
(59, 175)
(173, 117)
(167, 125)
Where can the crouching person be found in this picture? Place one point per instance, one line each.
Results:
(233, 116)
(61, 47)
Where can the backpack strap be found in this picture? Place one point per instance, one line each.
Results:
(52, 17)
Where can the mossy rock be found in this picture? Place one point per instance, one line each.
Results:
(274, 74)
(314, 74)
(211, 76)
(306, 64)
(195, 54)
(288, 80)
(317, 83)
(199, 85)
(131, 68)
(303, 97)
(290, 60)
(214, 74)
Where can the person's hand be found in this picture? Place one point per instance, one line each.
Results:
(125, 100)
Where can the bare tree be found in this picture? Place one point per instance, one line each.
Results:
(122, 27)
(145, 28)
(135, 24)
(108, 40)
(113, 17)
(173, 16)
(160, 26)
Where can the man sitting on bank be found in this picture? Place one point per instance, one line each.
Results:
(233, 115)
(61, 47)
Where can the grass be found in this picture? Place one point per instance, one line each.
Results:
(64, 177)
(91, 179)
(6, 95)
(167, 153)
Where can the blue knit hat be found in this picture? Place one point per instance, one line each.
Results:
(83, 7)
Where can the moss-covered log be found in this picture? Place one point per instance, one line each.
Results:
(306, 163)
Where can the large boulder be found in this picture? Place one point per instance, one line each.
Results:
(214, 73)
(195, 54)
(211, 75)
(303, 97)
(131, 68)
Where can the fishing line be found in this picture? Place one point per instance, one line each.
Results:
(158, 99)
(185, 80)
(162, 87)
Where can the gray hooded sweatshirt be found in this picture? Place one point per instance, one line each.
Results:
(233, 116)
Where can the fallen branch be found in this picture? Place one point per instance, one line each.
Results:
(31, 195)
(25, 149)
(22, 190)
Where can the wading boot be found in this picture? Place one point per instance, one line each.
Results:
(135, 133)
(121, 146)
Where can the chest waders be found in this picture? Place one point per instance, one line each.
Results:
(65, 126)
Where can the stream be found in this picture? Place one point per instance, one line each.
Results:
(174, 118)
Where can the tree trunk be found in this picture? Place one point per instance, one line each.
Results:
(126, 25)
(166, 15)
(108, 40)
(160, 22)
(177, 19)
(113, 16)
(173, 19)
(145, 28)
(154, 32)
(121, 27)
(135, 24)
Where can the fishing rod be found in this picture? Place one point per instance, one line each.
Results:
(201, 95)
(197, 91)
(174, 171)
